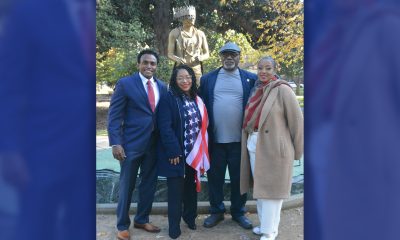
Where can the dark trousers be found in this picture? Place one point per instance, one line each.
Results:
(148, 173)
(181, 190)
(225, 155)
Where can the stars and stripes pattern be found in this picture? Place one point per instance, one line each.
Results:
(196, 137)
(192, 120)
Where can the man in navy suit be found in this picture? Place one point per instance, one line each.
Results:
(225, 92)
(132, 135)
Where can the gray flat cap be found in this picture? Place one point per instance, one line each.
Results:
(230, 47)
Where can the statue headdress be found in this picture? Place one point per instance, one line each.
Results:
(184, 12)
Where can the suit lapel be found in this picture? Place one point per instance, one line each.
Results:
(142, 92)
(246, 87)
(160, 92)
(212, 82)
(245, 81)
(267, 106)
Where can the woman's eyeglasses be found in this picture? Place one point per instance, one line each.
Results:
(186, 78)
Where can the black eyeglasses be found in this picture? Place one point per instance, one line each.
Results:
(229, 54)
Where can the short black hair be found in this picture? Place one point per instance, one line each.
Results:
(174, 85)
(147, 51)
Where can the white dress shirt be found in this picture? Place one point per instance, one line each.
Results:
(155, 87)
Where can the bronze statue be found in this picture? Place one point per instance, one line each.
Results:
(187, 44)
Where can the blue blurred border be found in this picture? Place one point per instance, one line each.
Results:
(352, 118)
(47, 123)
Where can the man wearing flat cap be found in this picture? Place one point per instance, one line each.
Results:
(225, 92)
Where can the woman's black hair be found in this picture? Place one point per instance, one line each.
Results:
(174, 85)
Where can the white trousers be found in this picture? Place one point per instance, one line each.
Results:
(268, 210)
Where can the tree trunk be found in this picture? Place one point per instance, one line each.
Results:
(161, 22)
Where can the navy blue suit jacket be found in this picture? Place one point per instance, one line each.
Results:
(207, 85)
(130, 118)
(170, 144)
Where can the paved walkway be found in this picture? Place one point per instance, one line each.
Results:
(291, 228)
(102, 142)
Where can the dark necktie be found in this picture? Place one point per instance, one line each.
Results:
(150, 95)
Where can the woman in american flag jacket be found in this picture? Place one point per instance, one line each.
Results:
(182, 147)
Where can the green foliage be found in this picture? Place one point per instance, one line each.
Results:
(301, 101)
(118, 63)
(282, 29)
(217, 40)
(101, 132)
(124, 27)
(119, 38)
(164, 69)
(114, 64)
(114, 32)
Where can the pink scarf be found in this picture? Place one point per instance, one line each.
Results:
(256, 102)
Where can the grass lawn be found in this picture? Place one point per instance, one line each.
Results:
(101, 132)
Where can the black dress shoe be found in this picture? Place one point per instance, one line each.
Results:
(191, 224)
(213, 220)
(174, 234)
(243, 221)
